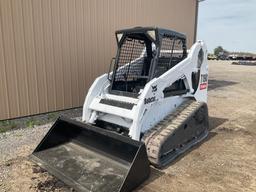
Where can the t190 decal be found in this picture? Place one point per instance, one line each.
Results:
(204, 81)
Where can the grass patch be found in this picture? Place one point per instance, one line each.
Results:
(31, 122)
(4, 129)
(7, 125)
(52, 116)
(36, 120)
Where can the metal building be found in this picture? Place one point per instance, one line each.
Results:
(51, 50)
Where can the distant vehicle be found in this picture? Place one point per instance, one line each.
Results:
(223, 55)
(232, 57)
(241, 57)
(212, 57)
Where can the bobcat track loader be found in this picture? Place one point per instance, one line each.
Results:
(148, 109)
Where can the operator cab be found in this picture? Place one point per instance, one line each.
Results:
(144, 53)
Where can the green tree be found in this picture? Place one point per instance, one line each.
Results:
(217, 50)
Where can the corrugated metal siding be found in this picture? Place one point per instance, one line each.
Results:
(51, 50)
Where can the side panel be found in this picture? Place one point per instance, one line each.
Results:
(157, 111)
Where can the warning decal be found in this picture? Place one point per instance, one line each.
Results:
(203, 86)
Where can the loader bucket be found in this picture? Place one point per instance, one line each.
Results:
(89, 158)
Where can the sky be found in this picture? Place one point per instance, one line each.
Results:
(229, 23)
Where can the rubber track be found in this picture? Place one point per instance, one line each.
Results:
(156, 136)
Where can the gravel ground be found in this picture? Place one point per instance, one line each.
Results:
(21, 139)
(225, 161)
(18, 140)
(16, 146)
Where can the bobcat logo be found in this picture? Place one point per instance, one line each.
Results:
(154, 88)
(149, 100)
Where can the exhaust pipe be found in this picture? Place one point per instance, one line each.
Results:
(89, 158)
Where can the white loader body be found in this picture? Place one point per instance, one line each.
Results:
(151, 106)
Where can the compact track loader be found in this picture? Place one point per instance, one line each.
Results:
(148, 109)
